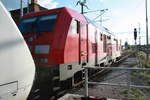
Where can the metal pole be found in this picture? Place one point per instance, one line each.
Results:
(28, 7)
(121, 85)
(82, 3)
(82, 8)
(146, 28)
(86, 82)
(120, 68)
(21, 9)
(139, 34)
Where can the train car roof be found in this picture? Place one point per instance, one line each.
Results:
(72, 13)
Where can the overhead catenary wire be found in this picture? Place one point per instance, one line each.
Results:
(21, 8)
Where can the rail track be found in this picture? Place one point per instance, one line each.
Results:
(101, 73)
(60, 91)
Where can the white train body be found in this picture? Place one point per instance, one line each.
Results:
(17, 67)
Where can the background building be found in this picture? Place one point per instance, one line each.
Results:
(33, 7)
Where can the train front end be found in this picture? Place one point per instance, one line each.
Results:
(57, 39)
(46, 40)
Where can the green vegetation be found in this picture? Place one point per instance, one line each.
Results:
(144, 47)
(136, 94)
(140, 77)
(143, 63)
(127, 49)
(144, 76)
(141, 56)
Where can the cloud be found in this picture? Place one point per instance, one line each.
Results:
(54, 5)
(44, 2)
(101, 0)
(48, 3)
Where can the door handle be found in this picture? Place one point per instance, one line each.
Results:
(83, 53)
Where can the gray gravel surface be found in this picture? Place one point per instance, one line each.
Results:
(115, 77)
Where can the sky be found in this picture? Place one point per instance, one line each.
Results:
(121, 18)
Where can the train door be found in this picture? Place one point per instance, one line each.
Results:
(105, 44)
(96, 48)
(83, 52)
(92, 34)
(109, 46)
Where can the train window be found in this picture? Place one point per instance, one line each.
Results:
(44, 23)
(78, 26)
(29, 20)
(26, 24)
(47, 23)
(104, 43)
(94, 47)
(117, 45)
(108, 37)
(42, 49)
(101, 37)
(75, 25)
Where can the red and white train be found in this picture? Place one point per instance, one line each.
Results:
(62, 43)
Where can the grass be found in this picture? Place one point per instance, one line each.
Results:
(143, 76)
(127, 50)
(136, 94)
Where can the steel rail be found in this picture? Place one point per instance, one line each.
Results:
(120, 68)
(123, 85)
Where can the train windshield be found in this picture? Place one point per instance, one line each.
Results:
(38, 24)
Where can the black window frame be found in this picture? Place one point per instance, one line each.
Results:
(37, 18)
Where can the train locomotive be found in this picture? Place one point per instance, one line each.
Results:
(17, 68)
(62, 43)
